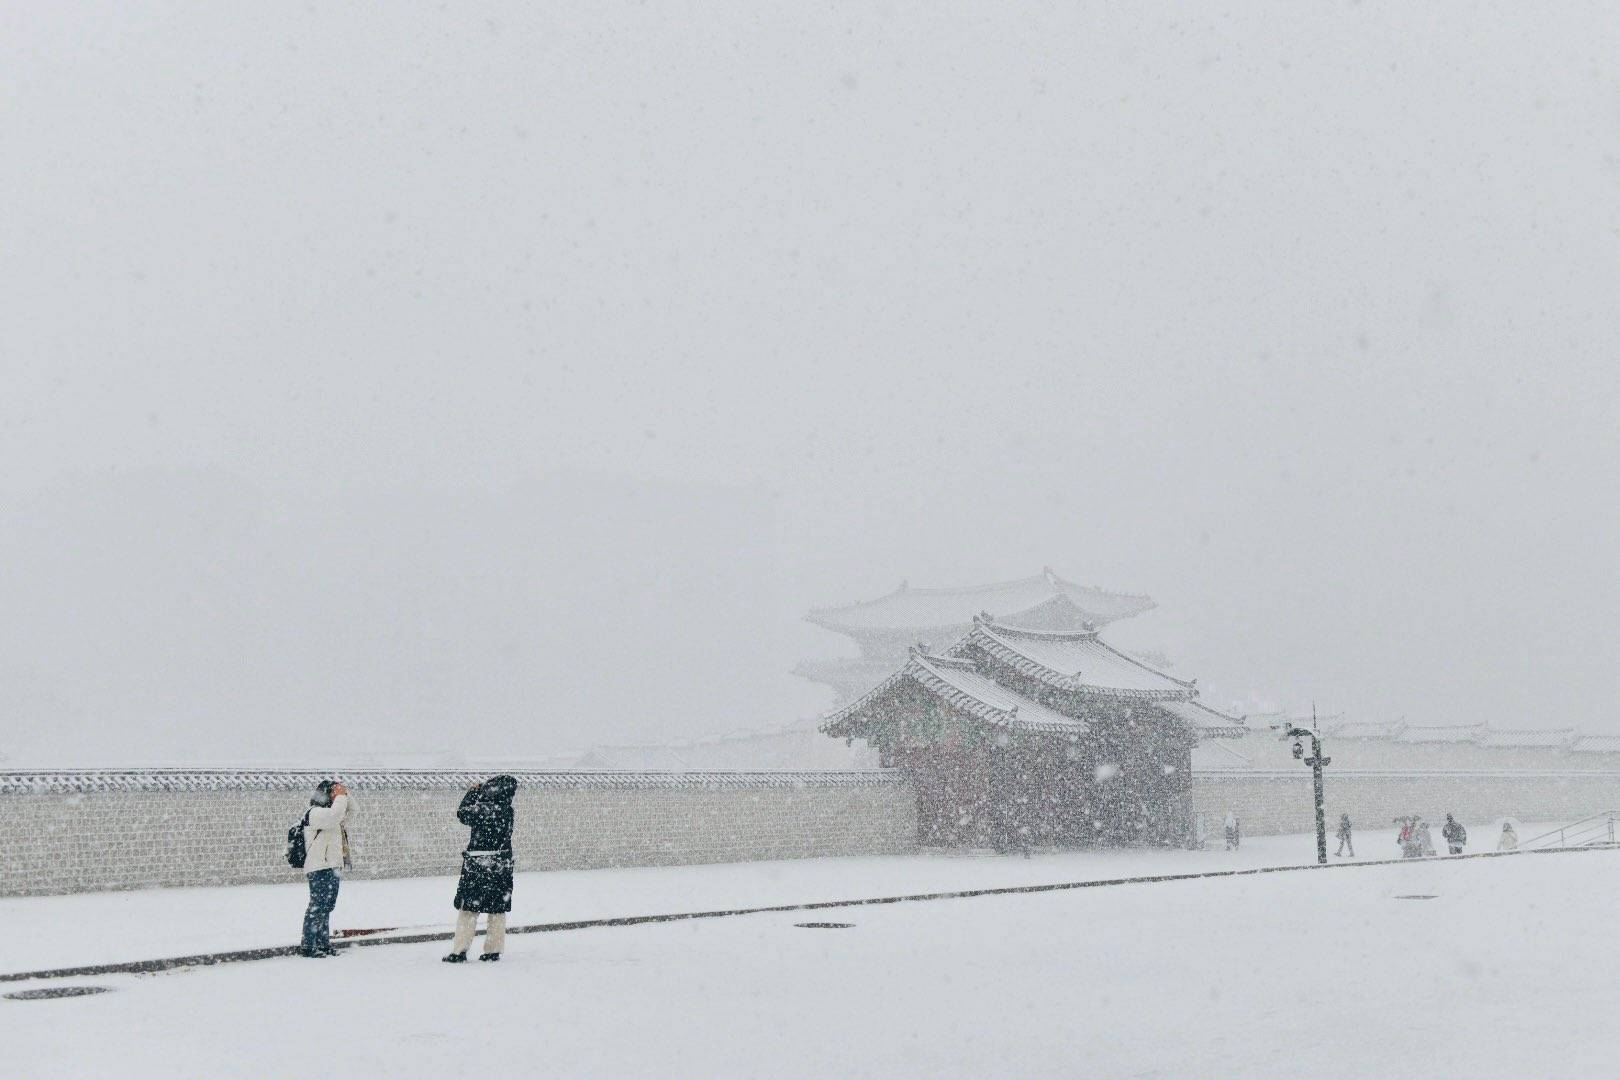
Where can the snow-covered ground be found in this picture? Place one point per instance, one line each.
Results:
(1505, 971)
(90, 928)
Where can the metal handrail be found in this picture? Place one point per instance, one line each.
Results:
(1578, 837)
(1601, 823)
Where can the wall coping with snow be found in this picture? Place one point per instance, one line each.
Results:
(79, 830)
(88, 781)
(1280, 802)
(1330, 773)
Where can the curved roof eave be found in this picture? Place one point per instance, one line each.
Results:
(1001, 641)
(954, 606)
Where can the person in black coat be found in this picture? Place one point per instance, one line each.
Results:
(486, 867)
(1456, 836)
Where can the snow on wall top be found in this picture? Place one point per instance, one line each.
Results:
(924, 609)
(1206, 721)
(92, 781)
(1567, 739)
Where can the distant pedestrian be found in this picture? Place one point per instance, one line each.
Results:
(1510, 838)
(1456, 836)
(486, 867)
(326, 853)
(1407, 838)
(1234, 835)
(1425, 838)
(1345, 838)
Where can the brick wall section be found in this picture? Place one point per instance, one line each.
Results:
(1268, 803)
(62, 833)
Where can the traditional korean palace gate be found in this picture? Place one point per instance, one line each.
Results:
(1017, 736)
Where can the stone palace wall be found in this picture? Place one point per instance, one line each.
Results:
(1281, 802)
(85, 831)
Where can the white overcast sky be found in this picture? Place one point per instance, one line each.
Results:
(508, 377)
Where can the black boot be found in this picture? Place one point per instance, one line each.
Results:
(490, 956)
(456, 958)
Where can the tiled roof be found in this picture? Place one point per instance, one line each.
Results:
(1535, 738)
(959, 679)
(1362, 730)
(926, 609)
(960, 684)
(1596, 744)
(94, 781)
(1482, 735)
(1208, 722)
(1325, 724)
(1075, 660)
(1440, 733)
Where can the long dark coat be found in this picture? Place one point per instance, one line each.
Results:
(486, 865)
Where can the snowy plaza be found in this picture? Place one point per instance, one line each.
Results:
(1494, 966)
(898, 541)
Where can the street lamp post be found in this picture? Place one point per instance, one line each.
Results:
(1316, 761)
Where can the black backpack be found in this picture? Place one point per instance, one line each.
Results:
(295, 844)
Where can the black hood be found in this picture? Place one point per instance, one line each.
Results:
(499, 788)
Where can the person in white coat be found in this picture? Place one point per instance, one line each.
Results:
(326, 855)
(1509, 840)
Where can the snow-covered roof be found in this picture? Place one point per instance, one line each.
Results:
(960, 679)
(1595, 744)
(1326, 724)
(1527, 738)
(1075, 660)
(961, 685)
(1482, 735)
(1353, 729)
(938, 608)
(1208, 722)
(1440, 733)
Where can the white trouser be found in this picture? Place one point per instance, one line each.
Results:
(467, 926)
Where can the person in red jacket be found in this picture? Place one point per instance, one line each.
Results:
(1407, 838)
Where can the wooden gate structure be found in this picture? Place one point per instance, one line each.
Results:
(1017, 736)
